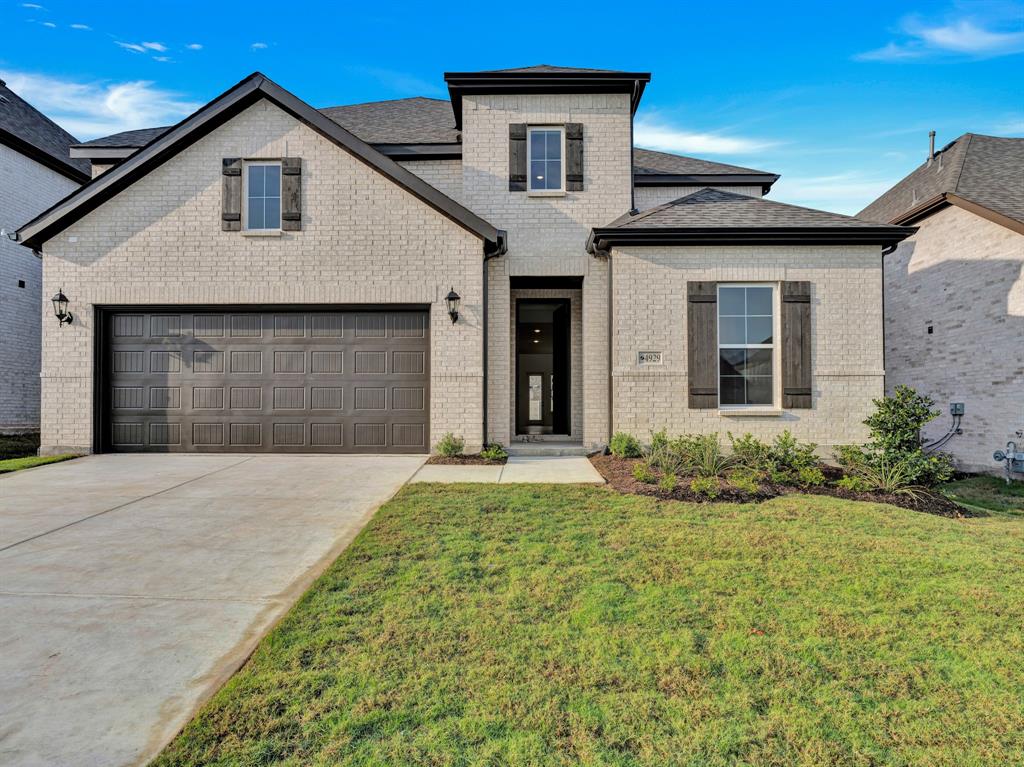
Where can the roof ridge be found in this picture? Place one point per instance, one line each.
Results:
(963, 161)
(386, 101)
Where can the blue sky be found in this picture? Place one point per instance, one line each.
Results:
(838, 97)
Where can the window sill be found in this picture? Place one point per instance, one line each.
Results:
(759, 412)
(261, 232)
(546, 193)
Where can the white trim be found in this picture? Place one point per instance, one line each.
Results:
(774, 407)
(530, 191)
(246, 164)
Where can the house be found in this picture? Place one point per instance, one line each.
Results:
(35, 172)
(266, 276)
(954, 291)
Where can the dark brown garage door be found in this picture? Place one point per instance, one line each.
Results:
(237, 381)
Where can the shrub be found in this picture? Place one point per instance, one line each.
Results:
(788, 454)
(624, 446)
(745, 480)
(750, 452)
(810, 476)
(705, 456)
(854, 483)
(705, 486)
(643, 473)
(494, 452)
(668, 483)
(450, 446)
(662, 455)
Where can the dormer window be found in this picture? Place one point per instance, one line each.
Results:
(545, 147)
(262, 196)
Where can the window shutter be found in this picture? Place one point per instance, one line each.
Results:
(231, 204)
(291, 194)
(702, 343)
(574, 157)
(796, 345)
(517, 157)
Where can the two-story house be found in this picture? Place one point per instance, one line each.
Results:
(35, 172)
(506, 266)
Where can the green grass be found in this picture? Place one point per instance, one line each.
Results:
(988, 493)
(528, 625)
(29, 462)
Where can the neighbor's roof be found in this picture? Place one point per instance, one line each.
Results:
(985, 171)
(716, 216)
(27, 130)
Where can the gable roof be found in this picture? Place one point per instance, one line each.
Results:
(652, 168)
(27, 130)
(714, 216)
(211, 116)
(974, 171)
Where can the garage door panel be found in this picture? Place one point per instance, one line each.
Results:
(277, 381)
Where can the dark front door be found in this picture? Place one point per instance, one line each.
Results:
(543, 371)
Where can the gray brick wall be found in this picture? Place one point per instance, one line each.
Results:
(963, 276)
(26, 189)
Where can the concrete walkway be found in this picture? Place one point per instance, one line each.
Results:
(557, 469)
(133, 586)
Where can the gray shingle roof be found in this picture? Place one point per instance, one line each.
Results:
(649, 162)
(24, 122)
(713, 208)
(128, 138)
(986, 170)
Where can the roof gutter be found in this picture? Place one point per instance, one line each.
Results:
(602, 240)
(42, 157)
(945, 199)
(763, 180)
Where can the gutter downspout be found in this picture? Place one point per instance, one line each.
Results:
(500, 249)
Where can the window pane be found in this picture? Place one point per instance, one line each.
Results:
(537, 145)
(759, 301)
(537, 174)
(759, 330)
(256, 180)
(732, 330)
(731, 391)
(759, 362)
(554, 145)
(759, 390)
(554, 175)
(272, 173)
(255, 213)
(272, 213)
(731, 361)
(731, 301)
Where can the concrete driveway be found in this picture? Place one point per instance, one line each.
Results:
(133, 586)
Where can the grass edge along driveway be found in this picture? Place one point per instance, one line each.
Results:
(535, 625)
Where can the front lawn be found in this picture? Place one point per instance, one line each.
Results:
(988, 493)
(533, 625)
(30, 462)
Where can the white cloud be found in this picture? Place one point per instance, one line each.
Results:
(194, 47)
(133, 47)
(155, 47)
(91, 109)
(964, 37)
(49, 24)
(163, 59)
(258, 46)
(654, 135)
(84, 27)
(33, 6)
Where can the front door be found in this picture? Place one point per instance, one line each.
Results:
(542, 366)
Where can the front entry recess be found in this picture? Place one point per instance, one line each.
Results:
(542, 366)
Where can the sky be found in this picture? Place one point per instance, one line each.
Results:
(837, 97)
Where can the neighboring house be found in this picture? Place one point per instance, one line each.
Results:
(267, 276)
(35, 172)
(954, 291)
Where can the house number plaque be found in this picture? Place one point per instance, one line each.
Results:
(649, 358)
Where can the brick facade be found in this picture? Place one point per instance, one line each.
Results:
(26, 189)
(647, 197)
(963, 276)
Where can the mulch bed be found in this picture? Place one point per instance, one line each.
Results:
(465, 460)
(618, 473)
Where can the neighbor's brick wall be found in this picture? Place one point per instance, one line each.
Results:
(647, 197)
(445, 175)
(547, 235)
(649, 289)
(364, 240)
(963, 275)
(26, 189)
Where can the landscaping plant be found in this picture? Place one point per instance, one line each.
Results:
(706, 486)
(624, 446)
(494, 452)
(450, 446)
(644, 473)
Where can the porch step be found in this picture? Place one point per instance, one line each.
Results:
(546, 448)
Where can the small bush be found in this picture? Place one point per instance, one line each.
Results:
(494, 452)
(810, 476)
(643, 473)
(896, 477)
(789, 454)
(668, 483)
(624, 446)
(450, 446)
(745, 480)
(750, 452)
(854, 483)
(897, 421)
(706, 457)
(661, 455)
(707, 487)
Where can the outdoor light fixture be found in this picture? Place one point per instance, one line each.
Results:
(60, 308)
(452, 299)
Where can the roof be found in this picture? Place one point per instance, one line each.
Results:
(973, 170)
(128, 139)
(416, 120)
(230, 103)
(716, 216)
(652, 168)
(29, 131)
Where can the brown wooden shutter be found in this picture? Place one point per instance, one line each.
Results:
(291, 194)
(231, 203)
(574, 157)
(702, 343)
(796, 345)
(517, 157)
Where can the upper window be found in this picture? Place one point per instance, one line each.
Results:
(544, 159)
(263, 195)
(746, 345)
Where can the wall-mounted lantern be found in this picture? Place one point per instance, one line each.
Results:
(60, 308)
(452, 299)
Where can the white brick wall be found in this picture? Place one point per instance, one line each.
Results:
(364, 240)
(445, 175)
(649, 299)
(964, 276)
(26, 189)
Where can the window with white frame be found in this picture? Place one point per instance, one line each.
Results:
(262, 195)
(544, 152)
(746, 345)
